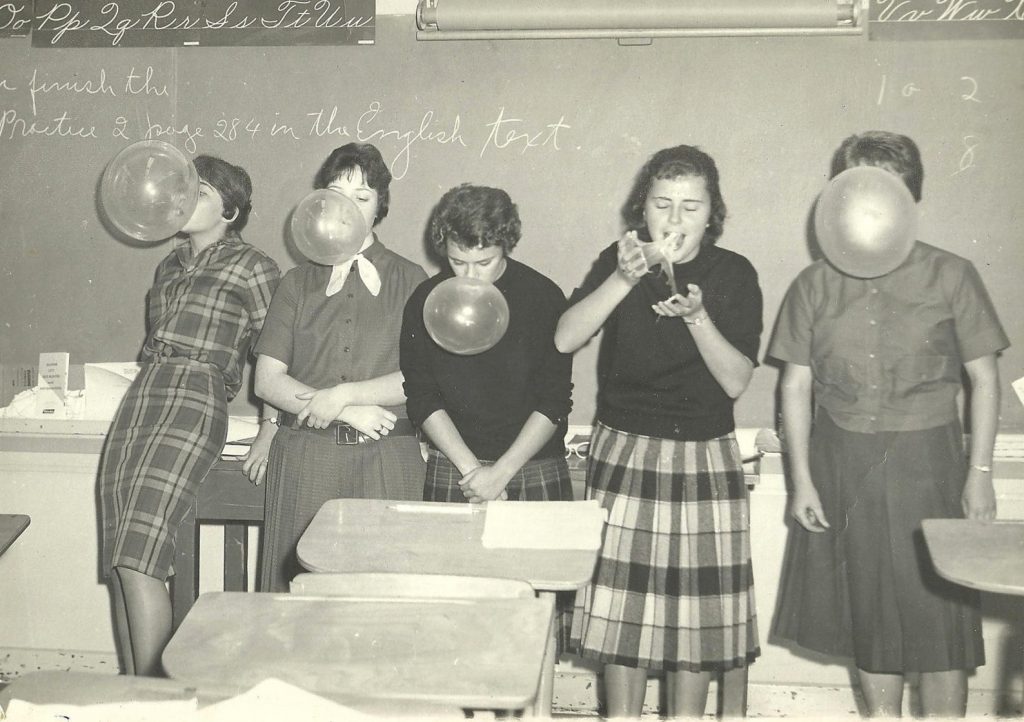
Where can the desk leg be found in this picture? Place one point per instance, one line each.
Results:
(185, 582)
(236, 561)
(545, 692)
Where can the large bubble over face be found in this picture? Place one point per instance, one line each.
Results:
(149, 190)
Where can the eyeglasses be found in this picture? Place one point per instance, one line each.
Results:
(579, 450)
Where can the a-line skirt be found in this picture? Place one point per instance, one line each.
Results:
(673, 589)
(165, 436)
(866, 587)
(306, 469)
(537, 480)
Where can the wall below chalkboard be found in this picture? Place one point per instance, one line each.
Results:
(562, 125)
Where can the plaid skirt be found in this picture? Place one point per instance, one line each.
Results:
(538, 480)
(306, 469)
(673, 589)
(865, 588)
(164, 438)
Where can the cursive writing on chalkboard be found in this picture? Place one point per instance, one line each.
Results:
(36, 86)
(507, 132)
(947, 11)
(946, 18)
(13, 125)
(88, 23)
(15, 18)
(366, 132)
(114, 99)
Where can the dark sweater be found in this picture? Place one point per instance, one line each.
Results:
(489, 396)
(652, 379)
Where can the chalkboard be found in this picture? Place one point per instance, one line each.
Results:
(562, 125)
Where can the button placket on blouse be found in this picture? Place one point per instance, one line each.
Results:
(873, 336)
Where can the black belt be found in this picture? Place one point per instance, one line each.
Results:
(346, 434)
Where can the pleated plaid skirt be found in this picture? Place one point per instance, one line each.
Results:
(164, 438)
(673, 589)
(538, 480)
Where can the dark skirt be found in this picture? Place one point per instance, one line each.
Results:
(674, 587)
(164, 438)
(307, 469)
(538, 480)
(866, 587)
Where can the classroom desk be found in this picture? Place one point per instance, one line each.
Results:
(226, 497)
(475, 654)
(11, 527)
(371, 535)
(988, 556)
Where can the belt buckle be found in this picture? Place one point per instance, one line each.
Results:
(346, 435)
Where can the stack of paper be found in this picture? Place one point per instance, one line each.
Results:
(241, 433)
(105, 386)
(543, 524)
(169, 711)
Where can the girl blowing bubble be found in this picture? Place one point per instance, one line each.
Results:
(881, 449)
(207, 304)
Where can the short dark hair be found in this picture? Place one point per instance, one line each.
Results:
(472, 216)
(368, 159)
(894, 152)
(232, 183)
(669, 163)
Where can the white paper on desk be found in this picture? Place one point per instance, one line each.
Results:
(105, 386)
(242, 431)
(543, 524)
(273, 701)
(169, 711)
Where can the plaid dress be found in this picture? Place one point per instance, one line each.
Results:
(673, 589)
(171, 425)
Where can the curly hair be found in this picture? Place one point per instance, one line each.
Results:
(472, 216)
(677, 162)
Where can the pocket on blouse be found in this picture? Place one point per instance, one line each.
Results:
(838, 378)
(913, 374)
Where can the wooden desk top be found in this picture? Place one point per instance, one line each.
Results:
(484, 654)
(371, 535)
(11, 527)
(982, 555)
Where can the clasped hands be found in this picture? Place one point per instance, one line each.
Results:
(484, 483)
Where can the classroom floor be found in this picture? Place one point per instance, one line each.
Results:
(773, 702)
